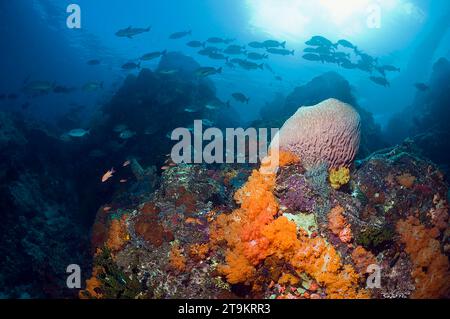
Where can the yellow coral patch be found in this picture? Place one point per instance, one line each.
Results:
(339, 177)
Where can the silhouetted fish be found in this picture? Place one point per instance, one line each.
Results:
(422, 87)
(130, 32)
(179, 35)
(93, 62)
(380, 81)
(195, 44)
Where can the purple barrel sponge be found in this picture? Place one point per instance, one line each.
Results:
(328, 132)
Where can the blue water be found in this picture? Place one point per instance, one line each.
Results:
(37, 44)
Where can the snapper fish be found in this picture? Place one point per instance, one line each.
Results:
(207, 122)
(93, 62)
(218, 56)
(256, 56)
(127, 134)
(39, 87)
(248, 65)
(78, 133)
(195, 44)
(421, 87)
(312, 57)
(346, 44)
(216, 105)
(169, 71)
(235, 50)
(380, 81)
(273, 44)
(120, 128)
(179, 35)
(153, 55)
(240, 97)
(318, 40)
(93, 86)
(390, 68)
(207, 71)
(219, 40)
(280, 51)
(208, 51)
(131, 66)
(192, 109)
(130, 32)
(256, 45)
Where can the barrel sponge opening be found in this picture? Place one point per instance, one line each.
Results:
(328, 132)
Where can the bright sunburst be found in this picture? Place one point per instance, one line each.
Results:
(293, 20)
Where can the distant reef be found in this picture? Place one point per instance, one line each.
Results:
(426, 121)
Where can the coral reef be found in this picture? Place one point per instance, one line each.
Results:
(430, 267)
(287, 233)
(260, 240)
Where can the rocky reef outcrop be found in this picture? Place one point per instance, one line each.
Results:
(426, 120)
(51, 186)
(286, 232)
(152, 104)
(42, 225)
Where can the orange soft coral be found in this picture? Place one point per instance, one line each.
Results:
(198, 251)
(362, 258)
(241, 230)
(92, 286)
(176, 259)
(322, 262)
(439, 213)
(430, 266)
(406, 180)
(117, 234)
(338, 224)
(252, 233)
(278, 158)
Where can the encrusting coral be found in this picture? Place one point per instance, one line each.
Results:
(338, 224)
(177, 261)
(362, 259)
(430, 266)
(406, 180)
(117, 234)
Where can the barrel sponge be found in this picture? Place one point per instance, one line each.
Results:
(328, 132)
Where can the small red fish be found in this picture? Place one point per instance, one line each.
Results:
(106, 209)
(126, 163)
(108, 175)
(123, 180)
(165, 168)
